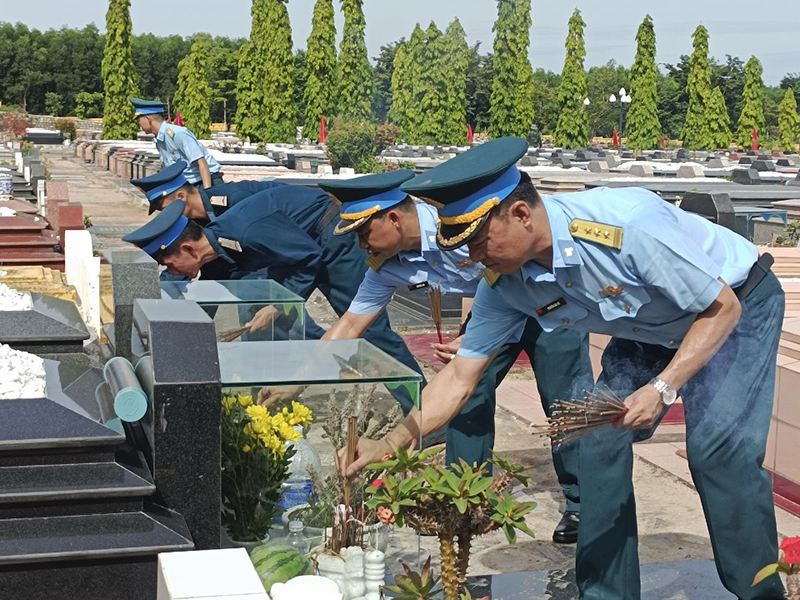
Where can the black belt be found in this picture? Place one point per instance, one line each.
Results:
(327, 217)
(756, 275)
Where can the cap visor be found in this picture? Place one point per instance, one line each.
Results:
(450, 237)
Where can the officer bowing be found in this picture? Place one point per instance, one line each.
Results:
(691, 309)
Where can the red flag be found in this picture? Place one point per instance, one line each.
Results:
(169, 120)
(322, 129)
(616, 138)
(661, 142)
(754, 145)
(178, 120)
(470, 134)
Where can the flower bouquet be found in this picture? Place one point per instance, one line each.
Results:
(255, 462)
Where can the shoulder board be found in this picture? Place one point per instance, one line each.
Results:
(375, 262)
(229, 244)
(600, 233)
(490, 276)
(170, 132)
(218, 200)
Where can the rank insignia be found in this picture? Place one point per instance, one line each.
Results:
(229, 244)
(611, 291)
(170, 133)
(375, 262)
(218, 200)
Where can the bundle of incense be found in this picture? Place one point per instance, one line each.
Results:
(230, 335)
(435, 300)
(572, 419)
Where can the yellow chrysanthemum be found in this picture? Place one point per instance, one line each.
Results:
(257, 412)
(246, 400)
(227, 403)
(301, 414)
(246, 448)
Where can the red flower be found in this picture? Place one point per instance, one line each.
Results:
(385, 515)
(377, 483)
(791, 550)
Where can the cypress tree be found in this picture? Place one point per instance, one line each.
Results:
(355, 72)
(788, 120)
(120, 80)
(278, 84)
(413, 115)
(699, 90)
(572, 129)
(644, 128)
(320, 68)
(253, 58)
(717, 133)
(430, 89)
(456, 63)
(752, 115)
(402, 87)
(193, 95)
(511, 105)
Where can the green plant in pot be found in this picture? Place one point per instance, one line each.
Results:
(255, 462)
(455, 503)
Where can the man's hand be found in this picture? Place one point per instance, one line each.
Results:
(644, 408)
(270, 396)
(367, 452)
(263, 319)
(447, 352)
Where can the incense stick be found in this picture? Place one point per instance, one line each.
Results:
(231, 334)
(352, 441)
(572, 419)
(435, 300)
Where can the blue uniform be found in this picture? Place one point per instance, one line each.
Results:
(219, 198)
(560, 360)
(174, 143)
(280, 233)
(627, 264)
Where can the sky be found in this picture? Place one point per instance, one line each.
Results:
(737, 27)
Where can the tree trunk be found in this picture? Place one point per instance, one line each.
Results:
(464, 547)
(450, 577)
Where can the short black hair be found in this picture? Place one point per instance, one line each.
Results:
(524, 191)
(192, 233)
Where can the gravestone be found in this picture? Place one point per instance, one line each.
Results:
(784, 162)
(598, 166)
(746, 176)
(529, 161)
(795, 181)
(613, 161)
(717, 206)
(325, 170)
(686, 171)
(134, 275)
(627, 154)
(641, 170)
(642, 159)
(682, 153)
(764, 156)
(764, 165)
(716, 163)
(746, 160)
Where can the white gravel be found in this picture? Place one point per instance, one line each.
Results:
(22, 375)
(11, 299)
(7, 212)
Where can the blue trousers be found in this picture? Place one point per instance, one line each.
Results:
(560, 361)
(728, 405)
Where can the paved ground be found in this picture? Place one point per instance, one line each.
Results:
(671, 524)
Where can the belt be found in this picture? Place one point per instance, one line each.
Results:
(756, 275)
(327, 217)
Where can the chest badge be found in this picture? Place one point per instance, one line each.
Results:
(465, 263)
(418, 286)
(611, 291)
(550, 307)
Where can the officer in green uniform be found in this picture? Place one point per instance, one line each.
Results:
(399, 233)
(692, 310)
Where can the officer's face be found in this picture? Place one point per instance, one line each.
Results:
(380, 236)
(503, 242)
(184, 262)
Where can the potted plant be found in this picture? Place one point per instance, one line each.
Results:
(454, 503)
(789, 564)
(255, 462)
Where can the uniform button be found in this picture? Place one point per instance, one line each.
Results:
(672, 342)
(459, 281)
(626, 308)
(569, 284)
(565, 321)
(636, 329)
(436, 263)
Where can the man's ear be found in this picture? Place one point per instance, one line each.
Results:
(521, 210)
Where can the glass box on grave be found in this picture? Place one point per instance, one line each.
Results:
(233, 304)
(344, 383)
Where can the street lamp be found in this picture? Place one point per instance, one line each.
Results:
(624, 99)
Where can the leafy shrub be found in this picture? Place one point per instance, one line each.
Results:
(352, 145)
(14, 122)
(67, 127)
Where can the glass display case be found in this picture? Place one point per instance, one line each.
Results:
(232, 304)
(345, 384)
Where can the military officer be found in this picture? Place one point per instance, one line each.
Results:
(692, 311)
(176, 143)
(285, 233)
(400, 235)
(170, 184)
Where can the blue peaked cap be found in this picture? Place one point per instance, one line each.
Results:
(160, 232)
(161, 184)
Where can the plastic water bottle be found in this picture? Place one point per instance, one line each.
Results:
(298, 487)
(297, 538)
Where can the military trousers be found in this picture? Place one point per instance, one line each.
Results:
(560, 361)
(728, 405)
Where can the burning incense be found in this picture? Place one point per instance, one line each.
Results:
(572, 419)
(230, 335)
(435, 300)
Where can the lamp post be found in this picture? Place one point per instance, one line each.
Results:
(623, 100)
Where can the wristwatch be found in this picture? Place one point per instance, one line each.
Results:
(668, 393)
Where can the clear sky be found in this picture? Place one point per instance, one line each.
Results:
(769, 29)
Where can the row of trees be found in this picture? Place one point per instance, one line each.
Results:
(431, 85)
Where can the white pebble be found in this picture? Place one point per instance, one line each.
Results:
(22, 375)
(11, 299)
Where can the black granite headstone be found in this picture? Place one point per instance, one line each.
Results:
(717, 206)
(764, 165)
(746, 176)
